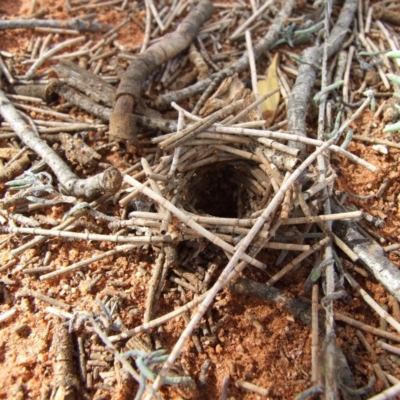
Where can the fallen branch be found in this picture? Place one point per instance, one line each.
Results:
(122, 122)
(86, 103)
(107, 181)
(301, 92)
(76, 23)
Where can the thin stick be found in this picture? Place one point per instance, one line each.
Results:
(177, 150)
(353, 215)
(7, 314)
(374, 140)
(289, 267)
(156, 16)
(25, 292)
(388, 347)
(252, 64)
(32, 70)
(6, 72)
(147, 31)
(245, 111)
(76, 23)
(388, 393)
(138, 240)
(314, 335)
(253, 388)
(249, 21)
(83, 263)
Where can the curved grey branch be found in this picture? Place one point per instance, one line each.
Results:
(108, 181)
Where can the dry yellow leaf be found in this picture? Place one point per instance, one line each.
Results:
(271, 82)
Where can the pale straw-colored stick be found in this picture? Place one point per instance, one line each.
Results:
(189, 133)
(139, 240)
(188, 220)
(7, 314)
(262, 222)
(147, 32)
(156, 16)
(152, 285)
(249, 21)
(245, 222)
(387, 394)
(388, 347)
(128, 198)
(289, 267)
(177, 150)
(353, 215)
(32, 70)
(252, 64)
(279, 146)
(186, 113)
(265, 162)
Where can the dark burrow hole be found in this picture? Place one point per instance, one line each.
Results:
(214, 190)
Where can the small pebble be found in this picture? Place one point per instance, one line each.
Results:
(380, 148)
(218, 349)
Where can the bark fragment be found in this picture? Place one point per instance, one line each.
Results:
(44, 92)
(66, 385)
(17, 167)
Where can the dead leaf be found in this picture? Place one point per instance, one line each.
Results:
(271, 82)
(230, 90)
